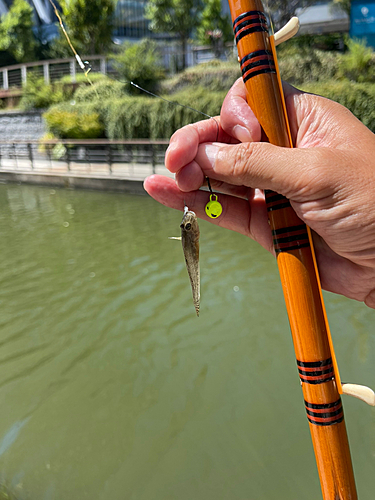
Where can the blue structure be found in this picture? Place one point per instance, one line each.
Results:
(362, 21)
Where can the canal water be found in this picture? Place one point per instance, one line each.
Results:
(111, 388)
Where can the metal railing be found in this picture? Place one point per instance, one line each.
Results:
(54, 69)
(98, 158)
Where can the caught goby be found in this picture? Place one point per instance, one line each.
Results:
(190, 245)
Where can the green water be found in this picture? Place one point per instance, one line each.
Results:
(112, 389)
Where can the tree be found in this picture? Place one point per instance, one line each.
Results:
(214, 28)
(344, 5)
(179, 17)
(16, 34)
(89, 24)
(139, 63)
(282, 10)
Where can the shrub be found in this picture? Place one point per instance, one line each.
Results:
(214, 76)
(306, 66)
(307, 42)
(130, 117)
(38, 94)
(358, 64)
(81, 78)
(358, 97)
(144, 117)
(74, 122)
(139, 63)
(103, 89)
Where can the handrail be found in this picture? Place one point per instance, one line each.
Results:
(92, 142)
(48, 61)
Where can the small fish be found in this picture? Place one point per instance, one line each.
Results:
(190, 245)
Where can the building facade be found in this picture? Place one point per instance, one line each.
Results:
(130, 22)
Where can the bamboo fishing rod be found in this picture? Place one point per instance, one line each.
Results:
(316, 361)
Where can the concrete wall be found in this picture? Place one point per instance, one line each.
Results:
(74, 181)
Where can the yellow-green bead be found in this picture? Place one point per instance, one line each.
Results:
(213, 209)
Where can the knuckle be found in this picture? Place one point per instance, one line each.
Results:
(241, 161)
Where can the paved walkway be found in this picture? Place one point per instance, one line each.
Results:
(126, 171)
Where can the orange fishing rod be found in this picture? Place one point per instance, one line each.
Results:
(316, 361)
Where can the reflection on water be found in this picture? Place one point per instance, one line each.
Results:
(112, 388)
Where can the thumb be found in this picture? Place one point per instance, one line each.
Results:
(299, 174)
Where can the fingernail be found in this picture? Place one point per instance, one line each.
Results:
(241, 133)
(211, 151)
(171, 147)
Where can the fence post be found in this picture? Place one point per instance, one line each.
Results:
(87, 159)
(72, 65)
(49, 157)
(153, 158)
(109, 158)
(15, 155)
(5, 79)
(131, 157)
(103, 66)
(23, 75)
(67, 149)
(30, 151)
(46, 72)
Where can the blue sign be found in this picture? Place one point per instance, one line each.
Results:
(362, 20)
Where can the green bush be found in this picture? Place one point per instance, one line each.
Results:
(102, 90)
(306, 66)
(139, 63)
(305, 43)
(128, 118)
(358, 63)
(214, 76)
(80, 77)
(131, 117)
(301, 64)
(74, 122)
(38, 94)
(358, 97)
(144, 117)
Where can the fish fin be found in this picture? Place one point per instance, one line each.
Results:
(174, 238)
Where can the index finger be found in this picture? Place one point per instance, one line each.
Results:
(184, 143)
(236, 116)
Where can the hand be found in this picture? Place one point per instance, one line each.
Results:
(329, 179)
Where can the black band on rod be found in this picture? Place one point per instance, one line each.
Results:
(250, 13)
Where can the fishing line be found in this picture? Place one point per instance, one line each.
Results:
(176, 103)
(213, 207)
(85, 66)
